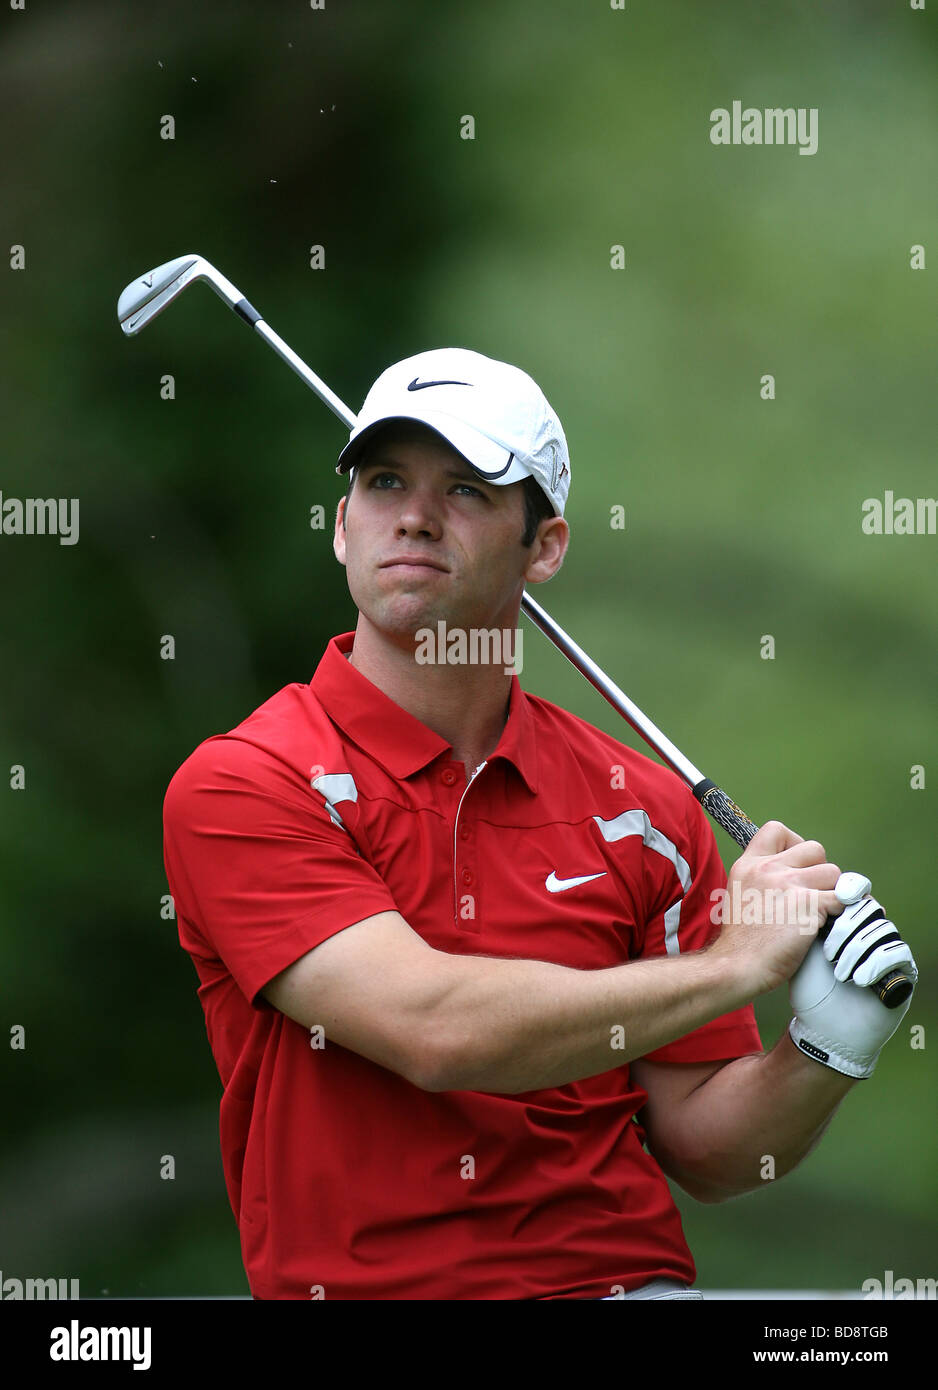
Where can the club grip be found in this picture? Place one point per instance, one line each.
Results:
(893, 989)
(725, 812)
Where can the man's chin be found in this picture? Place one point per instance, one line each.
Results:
(405, 619)
(405, 624)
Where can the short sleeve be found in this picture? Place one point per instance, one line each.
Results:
(682, 919)
(259, 871)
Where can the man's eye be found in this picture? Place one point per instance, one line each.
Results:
(379, 480)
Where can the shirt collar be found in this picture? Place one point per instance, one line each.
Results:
(398, 741)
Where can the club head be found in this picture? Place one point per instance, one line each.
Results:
(143, 299)
(146, 297)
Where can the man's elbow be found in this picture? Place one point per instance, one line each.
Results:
(710, 1196)
(707, 1189)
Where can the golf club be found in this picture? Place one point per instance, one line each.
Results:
(143, 299)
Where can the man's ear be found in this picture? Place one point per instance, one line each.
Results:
(338, 540)
(548, 551)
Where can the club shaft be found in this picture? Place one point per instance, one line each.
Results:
(286, 353)
(616, 697)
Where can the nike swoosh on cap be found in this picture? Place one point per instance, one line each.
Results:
(416, 385)
(553, 884)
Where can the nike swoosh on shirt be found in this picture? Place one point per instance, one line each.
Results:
(553, 884)
(416, 385)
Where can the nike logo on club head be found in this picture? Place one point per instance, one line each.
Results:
(416, 385)
(553, 884)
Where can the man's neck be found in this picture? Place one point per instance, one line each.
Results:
(466, 704)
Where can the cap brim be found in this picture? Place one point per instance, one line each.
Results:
(493, 462)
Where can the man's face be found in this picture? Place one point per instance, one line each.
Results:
(415, 498)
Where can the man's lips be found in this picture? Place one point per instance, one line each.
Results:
(413, 562)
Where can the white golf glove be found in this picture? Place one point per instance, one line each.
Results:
(838, 1020)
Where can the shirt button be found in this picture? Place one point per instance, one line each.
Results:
(464, 834)
(448, 777)
(466, 876)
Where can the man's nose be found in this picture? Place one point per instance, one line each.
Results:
(419, 514)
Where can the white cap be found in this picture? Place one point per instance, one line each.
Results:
(493, 414)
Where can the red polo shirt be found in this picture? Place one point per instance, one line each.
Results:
(329, 804)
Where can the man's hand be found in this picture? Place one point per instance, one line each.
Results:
(863, 945)
(838, 1020)
(780, 892)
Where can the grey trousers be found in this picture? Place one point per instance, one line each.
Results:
(658, 1288)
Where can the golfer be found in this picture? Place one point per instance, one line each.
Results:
(473, 974)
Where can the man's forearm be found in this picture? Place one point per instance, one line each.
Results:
(518, 1025)
(752, 1121)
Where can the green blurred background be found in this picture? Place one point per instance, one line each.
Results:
(341, 128)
